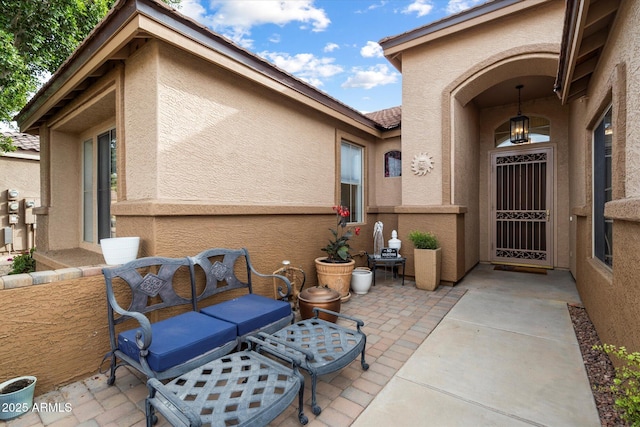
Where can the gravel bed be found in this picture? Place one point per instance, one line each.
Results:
(599, 368)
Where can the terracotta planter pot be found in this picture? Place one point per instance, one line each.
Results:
(336, 276)
(320, 297)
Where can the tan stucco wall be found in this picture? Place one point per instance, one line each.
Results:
(427, 69)
(215, 136)
(385, 191)
(22, 174)
(612, 297)
(467, 181)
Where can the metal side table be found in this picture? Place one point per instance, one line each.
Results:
(373, 262)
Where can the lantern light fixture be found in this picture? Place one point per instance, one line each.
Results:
(519, 133)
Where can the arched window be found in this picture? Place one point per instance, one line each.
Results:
(539, 131)
(392, 164)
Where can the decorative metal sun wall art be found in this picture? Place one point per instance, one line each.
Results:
(422, 164)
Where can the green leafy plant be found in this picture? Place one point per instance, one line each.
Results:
(423, 240)
(338, 249)
(626, 384)
(23, 263)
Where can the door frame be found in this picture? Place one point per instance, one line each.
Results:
(550, 204)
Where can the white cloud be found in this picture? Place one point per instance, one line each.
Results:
(306, 66)
(456, 6)
(330, 47)
(234, 19)
(371, 50)
(378, 75)
(275, 38)
(421, 7)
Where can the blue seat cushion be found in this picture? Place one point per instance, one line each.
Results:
(250, 312)
(178, 339)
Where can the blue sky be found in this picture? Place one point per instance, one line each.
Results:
(331, 44)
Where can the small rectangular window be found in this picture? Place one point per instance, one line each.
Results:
(392, 164)
(351, 180)
(602, 189)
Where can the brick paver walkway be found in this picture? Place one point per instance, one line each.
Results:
(397, 320)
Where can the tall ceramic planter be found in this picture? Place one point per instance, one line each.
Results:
(119, 250)
(16, 397)
(427, 268)
(337, 276)
(361, 279)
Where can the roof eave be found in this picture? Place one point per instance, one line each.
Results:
(472, 17)
(124, 12)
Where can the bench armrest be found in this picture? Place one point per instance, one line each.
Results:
(143, 337)
(286, 281)
(182, 412)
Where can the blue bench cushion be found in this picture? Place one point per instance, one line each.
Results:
(179, 339)
(250, 312)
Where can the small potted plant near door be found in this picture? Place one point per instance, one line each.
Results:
(335, 269)
(16, 396)
(427, 257)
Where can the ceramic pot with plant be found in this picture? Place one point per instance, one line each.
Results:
(16, 396)
(427, 257)
(335, 269)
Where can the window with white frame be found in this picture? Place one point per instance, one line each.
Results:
(98, 186)
(351, 180)
(602, 189)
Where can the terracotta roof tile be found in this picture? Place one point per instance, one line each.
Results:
(388, 118)
(24, 141)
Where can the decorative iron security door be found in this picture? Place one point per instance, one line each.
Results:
(521, 207)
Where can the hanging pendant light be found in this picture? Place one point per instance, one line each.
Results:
(519, 125)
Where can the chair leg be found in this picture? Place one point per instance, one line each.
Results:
(112, 370)
(365, 365)
(315, 408)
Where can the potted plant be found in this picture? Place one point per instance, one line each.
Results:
(16, 396)
(427, 259)
(335, 269)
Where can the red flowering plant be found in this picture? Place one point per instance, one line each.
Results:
(338, 248)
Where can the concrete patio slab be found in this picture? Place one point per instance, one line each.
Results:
(405, 403)
(505, 354)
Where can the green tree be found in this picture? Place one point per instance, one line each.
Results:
(36, 36)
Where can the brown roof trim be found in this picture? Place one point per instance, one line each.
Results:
(125, 10)
(447, 22)
(568, 33)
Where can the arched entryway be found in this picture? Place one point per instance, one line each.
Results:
(516, 196)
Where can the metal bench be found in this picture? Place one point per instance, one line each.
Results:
(324, 347)
(241, 389)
